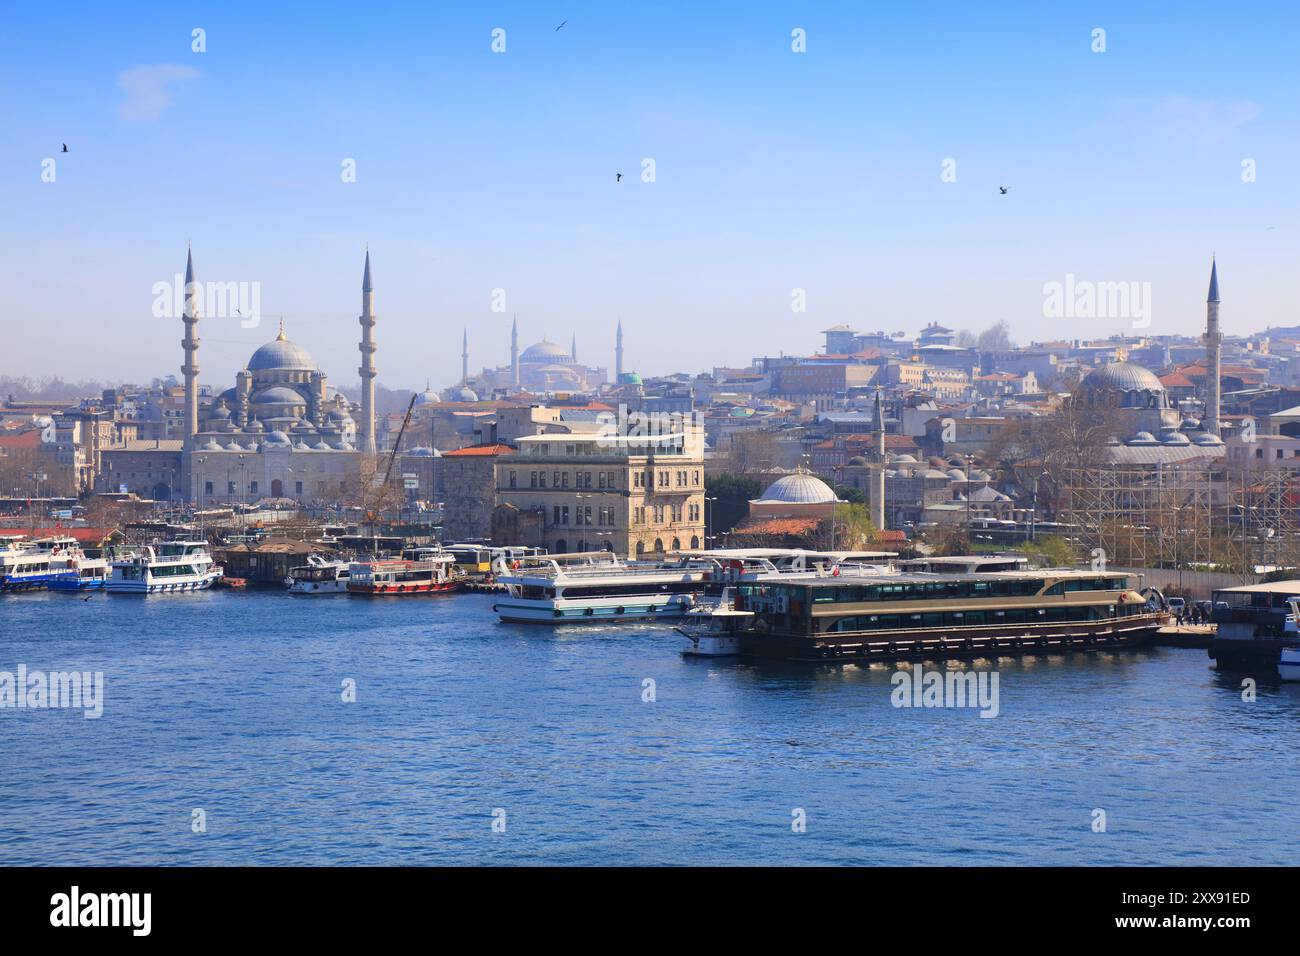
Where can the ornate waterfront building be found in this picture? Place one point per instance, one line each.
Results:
(281, 431)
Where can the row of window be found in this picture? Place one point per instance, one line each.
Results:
(232, 488)
(582, 515)
(959, 589)
(657, 513)
(666, 478)
(961, 619)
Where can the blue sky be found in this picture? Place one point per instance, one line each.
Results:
(774, 171)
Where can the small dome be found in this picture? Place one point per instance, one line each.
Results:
(799, 488)
(936, 473)
(1142, 438)
(904, 458)
(463, 393)
(1190, 425)
(278, 395)
(1175, 438)
(629, 378)
(277, 437)
(1205, 438)
(857, 460)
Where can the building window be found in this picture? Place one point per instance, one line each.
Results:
(252, 487)
(207, 487)
(512, 479)
(297, 487)
(230, 487)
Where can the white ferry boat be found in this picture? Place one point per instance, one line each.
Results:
(169, 567)
(600, 587)
(319, 576)
(34, 565)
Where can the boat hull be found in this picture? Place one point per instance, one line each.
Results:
(597, 611)
(930, 644)
(404, 590)
(160, 587)
(78, 584)
(318, 588)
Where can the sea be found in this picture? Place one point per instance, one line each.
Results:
(261, 728)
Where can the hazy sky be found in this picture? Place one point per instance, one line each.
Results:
(774, 171)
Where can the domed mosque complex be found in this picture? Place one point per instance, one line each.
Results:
(1152, 429)
(543, 367)
(282, 431)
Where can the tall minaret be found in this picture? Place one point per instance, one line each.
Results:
(464, 357)
(366, 436)
(514, 350)
(191, 343)
(618, 354)
(573, 348)
(1213, 354)
(878, 475)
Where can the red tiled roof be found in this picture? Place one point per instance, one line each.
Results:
(776, 525)
(28, 439)
(498, 448)
(1175, 379)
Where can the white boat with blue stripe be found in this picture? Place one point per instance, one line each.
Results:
(598, 587)
(36, 565)
(167, 568)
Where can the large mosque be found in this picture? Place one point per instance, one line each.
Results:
(282, 431)
(543, 367)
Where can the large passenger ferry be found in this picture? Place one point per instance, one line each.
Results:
(169, 567)
(927, 615)
(600, 587)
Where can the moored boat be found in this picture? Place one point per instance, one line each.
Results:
(563, 589)
(714, 630)
(933, 615)
(166, 568)
(432, 573)
(319, 575)
(35, 565)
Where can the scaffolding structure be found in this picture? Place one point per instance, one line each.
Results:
(1184, 516)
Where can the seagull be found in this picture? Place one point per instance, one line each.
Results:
(65, 147)
(1002, 190)
(561, 26)
(618, 177)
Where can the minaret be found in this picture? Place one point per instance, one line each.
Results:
(878, 475)
(191, 367)
(366, 431)
(618, 354)
(1213, 354)
(464, 357)
(573, 347)
(514, 351)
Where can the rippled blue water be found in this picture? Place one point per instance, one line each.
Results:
(232, 703)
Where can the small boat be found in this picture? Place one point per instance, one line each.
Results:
(715, 630)
(167, 568)
(433, 573)
(319, 576)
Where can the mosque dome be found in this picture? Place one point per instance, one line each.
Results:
(1122, 377)
(857, 460)
(1143, 438)
(281, 354)
(277, 437)
(463, 393)
(629, 378)
(427, 397)
(799, 488)
(1206, 438)
(277, 395)
(545, 353)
